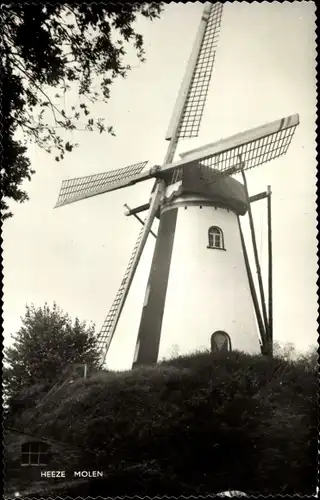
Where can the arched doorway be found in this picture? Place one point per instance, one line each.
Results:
(220, 342)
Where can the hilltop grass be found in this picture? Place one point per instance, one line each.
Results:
(192, 425)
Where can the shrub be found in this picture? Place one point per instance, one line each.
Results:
(192, 425)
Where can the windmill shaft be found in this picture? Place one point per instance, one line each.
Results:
(168, 159)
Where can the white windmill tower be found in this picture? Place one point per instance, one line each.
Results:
(200, 290)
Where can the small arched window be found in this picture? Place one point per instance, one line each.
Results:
(220, 341)
(35, 453)
(215, 238)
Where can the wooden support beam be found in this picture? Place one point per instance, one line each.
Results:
(253, 290)
(256, 258)
(259, 196)
(142, 208)
(138, 218)
(270, 276)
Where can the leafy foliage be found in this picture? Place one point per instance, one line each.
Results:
(48, 52)
(193, 425)
(47, 342)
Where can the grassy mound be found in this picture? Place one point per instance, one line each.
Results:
(192, 425)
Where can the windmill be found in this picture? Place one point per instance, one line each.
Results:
(200, 284)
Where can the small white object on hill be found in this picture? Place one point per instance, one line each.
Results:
(232, 493)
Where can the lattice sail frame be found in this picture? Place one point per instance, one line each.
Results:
(243, 151)
(84, 187)
(250, 148)
(105, 335)
(193, 110)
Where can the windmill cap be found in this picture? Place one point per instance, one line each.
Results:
(224, 191)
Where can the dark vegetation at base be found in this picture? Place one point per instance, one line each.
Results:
(191, 425)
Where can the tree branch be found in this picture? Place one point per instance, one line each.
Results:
(53, 107)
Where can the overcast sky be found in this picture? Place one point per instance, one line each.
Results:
(76, 255)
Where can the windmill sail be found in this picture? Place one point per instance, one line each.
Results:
(255, 147)
(197, 95)
(111, 321)
(106, 333)
(188, 111)
(91, 185)
(246, 150)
